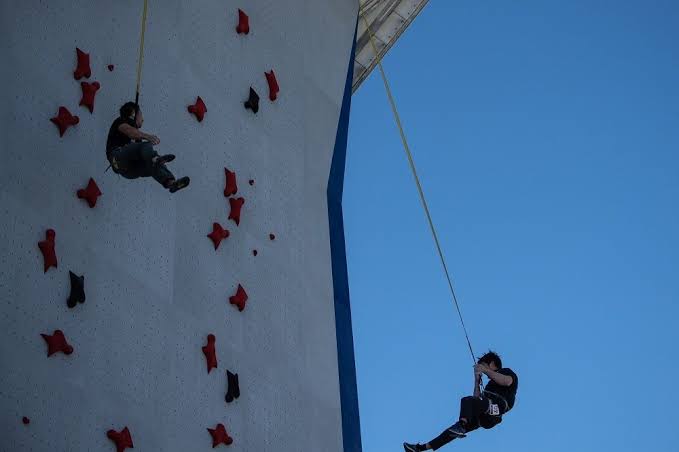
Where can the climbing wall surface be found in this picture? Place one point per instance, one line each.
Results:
(129, 281)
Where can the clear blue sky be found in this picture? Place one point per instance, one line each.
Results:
(546, 135)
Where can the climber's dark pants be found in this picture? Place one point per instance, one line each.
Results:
(135, 160)
(475, 411)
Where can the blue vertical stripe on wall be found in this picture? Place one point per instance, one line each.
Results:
(351, 427)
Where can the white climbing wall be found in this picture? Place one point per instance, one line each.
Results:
(155, 285)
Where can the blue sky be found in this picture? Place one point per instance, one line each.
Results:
(546, 135)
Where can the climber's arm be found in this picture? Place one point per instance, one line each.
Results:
(136, 134)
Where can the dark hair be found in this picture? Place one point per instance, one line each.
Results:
(491, 357)
(128, 108)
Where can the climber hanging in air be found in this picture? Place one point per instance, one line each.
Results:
(130, 151)
(483, 409)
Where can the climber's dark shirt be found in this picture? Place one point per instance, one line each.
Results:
(117, 139)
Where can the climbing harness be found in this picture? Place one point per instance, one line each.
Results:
(411, 162)
(141, 52)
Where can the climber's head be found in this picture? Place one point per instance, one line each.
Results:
(132, 111)
(492, 359)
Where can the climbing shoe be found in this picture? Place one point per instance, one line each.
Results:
(161, 159)
(411, 447)
(179, 184)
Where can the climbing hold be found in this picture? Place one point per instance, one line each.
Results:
(236, 204)
(231, 187)
(251, 182)
(77, 290)
(272, 237)
(243, 23)
(64, 119)
(233, 391)
(273, 85)
(90, 193)
(253, 101)
(46, 246)
(110, 67)
(57, 343)
(254, 252)
(122, 439)
(25, 420)
(219, 436)
(199, 109)
(239, 299)
(209, 352)
(218, 234)
(83, 67)
(89, 91)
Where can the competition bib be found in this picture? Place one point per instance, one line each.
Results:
(494, 410)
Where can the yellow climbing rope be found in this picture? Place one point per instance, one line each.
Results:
(406, 147)
(141, 51)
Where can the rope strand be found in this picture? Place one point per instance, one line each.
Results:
(411, 162)
(141, 52)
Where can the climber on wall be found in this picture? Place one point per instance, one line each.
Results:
(483, 409)
(130, 151)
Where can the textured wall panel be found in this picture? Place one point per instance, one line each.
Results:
(155, 286)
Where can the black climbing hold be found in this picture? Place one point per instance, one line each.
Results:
(233, 391)
(253, 101)
(77, 290)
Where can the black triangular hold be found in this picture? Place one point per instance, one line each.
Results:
(253, 101)
(233, 391)
(77, 290)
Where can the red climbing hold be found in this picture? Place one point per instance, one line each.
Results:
(47, 248)
(122, 439)
(243, 23)
(199, 109)
(64, 119)
(272, 237)
(218, 234)
(25, 420)
(273, 85)
(231, 187)
(219, 436)
(83, 67)
(239, 299)
(57, 343)
(110, 67)
(89, 91)
(209, 352)
(236, 204)
(90, 193)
